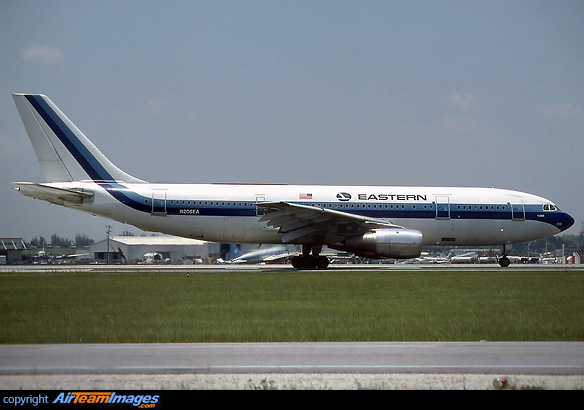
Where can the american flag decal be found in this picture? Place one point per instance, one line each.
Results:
(305, 196)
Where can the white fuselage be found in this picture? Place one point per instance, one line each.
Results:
(229, 213)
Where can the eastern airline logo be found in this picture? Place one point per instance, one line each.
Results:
(343, 196)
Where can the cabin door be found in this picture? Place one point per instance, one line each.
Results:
(517, 209)
(158, 202)
(442, 207)
(260, 198)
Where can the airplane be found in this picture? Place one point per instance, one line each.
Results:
(370, 221)
(267, 255)
(427, 259)
(468, 257)
(151, 258)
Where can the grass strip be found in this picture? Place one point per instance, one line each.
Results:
(169, 307)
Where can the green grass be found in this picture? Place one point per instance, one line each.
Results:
(291, 307)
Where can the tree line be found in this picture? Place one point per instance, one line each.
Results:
(569, 243)
(81, 240)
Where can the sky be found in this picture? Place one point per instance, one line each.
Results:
(334, 92)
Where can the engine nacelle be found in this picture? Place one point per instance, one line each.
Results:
(387, 243)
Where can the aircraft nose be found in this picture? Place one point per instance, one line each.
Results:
(565, 222)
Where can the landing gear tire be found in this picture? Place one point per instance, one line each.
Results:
(310, 262)
(322, 262)
(310, 258)
(504, 260)
(297, 262)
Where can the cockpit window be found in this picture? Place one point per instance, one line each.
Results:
(550, 207)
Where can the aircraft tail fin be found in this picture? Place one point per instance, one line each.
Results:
(234, 251)
(64, 152)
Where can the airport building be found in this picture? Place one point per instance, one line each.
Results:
(152, 249)
(11, 250)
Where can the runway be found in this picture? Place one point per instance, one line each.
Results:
(459, 365)
(360, 357)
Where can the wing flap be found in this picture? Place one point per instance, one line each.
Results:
(298, 222)
(293, 236)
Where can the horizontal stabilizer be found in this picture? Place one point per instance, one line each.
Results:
(53, 194)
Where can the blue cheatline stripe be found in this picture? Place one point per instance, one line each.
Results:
(82, 155)
(128, 197)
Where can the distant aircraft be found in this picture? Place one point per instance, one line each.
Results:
(152, 258)
(267, 255)
(469, 257)
(426, 259)
(370, 221)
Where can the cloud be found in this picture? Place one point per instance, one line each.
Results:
(157, 107)
(461, 102)
(461, 123)
(458, 126)
(43, 54)
(561, 111)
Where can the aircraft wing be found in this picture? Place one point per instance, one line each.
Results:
(298, 222)
(277, 257)
(52, 194)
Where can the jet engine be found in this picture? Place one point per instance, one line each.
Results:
(386, 243)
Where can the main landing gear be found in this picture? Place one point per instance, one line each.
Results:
(504, 260)
(308, 261)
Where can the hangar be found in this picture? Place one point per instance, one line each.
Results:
(11, 250)
(153, 249)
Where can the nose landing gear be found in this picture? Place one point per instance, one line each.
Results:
(504, 260)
